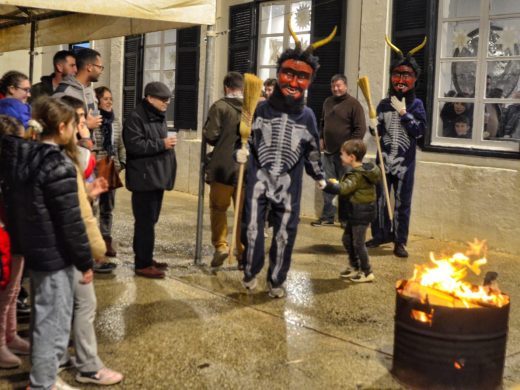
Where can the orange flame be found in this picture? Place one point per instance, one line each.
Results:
(447, 274)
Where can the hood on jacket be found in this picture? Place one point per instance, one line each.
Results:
(21, 160)
(370, 171)
(71, 81)
(234, 102)
(15, 108)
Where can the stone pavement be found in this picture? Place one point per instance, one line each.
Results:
(199, 329)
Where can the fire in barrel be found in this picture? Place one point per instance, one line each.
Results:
(449, 333)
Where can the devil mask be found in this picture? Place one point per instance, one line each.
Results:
(296, 68)
(404, 71)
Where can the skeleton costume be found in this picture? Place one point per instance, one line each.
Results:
(284, 139)
(399, 132)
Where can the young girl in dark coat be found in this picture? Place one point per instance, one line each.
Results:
(45, 224)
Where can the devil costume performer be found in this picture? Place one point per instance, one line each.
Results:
(401, 121)
(284, 139)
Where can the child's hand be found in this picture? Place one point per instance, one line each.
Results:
(332, 187)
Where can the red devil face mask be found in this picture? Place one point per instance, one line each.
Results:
(294, 78)
(403, 78)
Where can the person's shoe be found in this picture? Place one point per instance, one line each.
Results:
(374, 242)
(105, 376)
(250, 285)
(111, 252)
(8, 359)
(62, 385)
(322, 222)
(218, 258)
(400, 250)
(160, 265)
(349, 272)
(70, 363)
(361, 277)
(276, 292)
(19, 346)
(22, 307)
(150, 272)
(101, 267)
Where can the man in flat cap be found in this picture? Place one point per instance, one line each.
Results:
(150, 170)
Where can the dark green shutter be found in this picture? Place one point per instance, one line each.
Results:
(132, 73)
(186, 97)
(242, 38)
(412, 21)
(325, 15)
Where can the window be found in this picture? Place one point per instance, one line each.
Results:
(274, 35)
(477, 84)
(74, 47)
(159, 62)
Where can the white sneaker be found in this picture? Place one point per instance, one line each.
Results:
(61, 385)
(251, 285)
(276, 292)
(362, 278)
(349, 273)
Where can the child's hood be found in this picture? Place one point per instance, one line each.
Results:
(370, 171)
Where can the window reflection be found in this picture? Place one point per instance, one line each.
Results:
(511, 119)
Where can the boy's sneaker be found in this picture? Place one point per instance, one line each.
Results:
(105, 376)
(62, 385)
(349, 272)
(361, 277)
(276, 292)
(322, 222)
(251, 285)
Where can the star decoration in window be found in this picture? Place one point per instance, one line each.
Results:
(507, 38)
(303, 17)
(460, 40)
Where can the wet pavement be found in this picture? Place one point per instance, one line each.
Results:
(199, 329)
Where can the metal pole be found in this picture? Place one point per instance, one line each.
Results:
(31, 52)
(208, 82)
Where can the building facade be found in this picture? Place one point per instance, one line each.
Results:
(467, 183)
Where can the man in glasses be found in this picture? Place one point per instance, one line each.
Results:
(150, 170)
(90, 67)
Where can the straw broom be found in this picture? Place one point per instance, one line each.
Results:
(252, 89)
(365, 88)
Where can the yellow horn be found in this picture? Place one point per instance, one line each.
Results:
(323, 42)
(415, 50)
(394, 47)
(297, 42)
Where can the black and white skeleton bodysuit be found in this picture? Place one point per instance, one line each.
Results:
(281, 144)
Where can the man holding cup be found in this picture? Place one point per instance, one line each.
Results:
(150, 170)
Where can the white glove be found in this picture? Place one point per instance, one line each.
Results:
(398, 105)
(242, 155)
(321, 184)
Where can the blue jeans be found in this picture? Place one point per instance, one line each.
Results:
(52, 302)
(333, 170)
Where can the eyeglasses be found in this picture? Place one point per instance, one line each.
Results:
(26, 90)
(99, 66)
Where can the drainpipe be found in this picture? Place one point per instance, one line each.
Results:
(31, 51)
(208, 82)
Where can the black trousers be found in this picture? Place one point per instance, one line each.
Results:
(146, 207)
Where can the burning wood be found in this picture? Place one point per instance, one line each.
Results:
(440, 282)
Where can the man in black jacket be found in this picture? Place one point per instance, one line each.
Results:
(64, 64)
(150, 169)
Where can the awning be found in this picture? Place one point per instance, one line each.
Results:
(66, 21)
